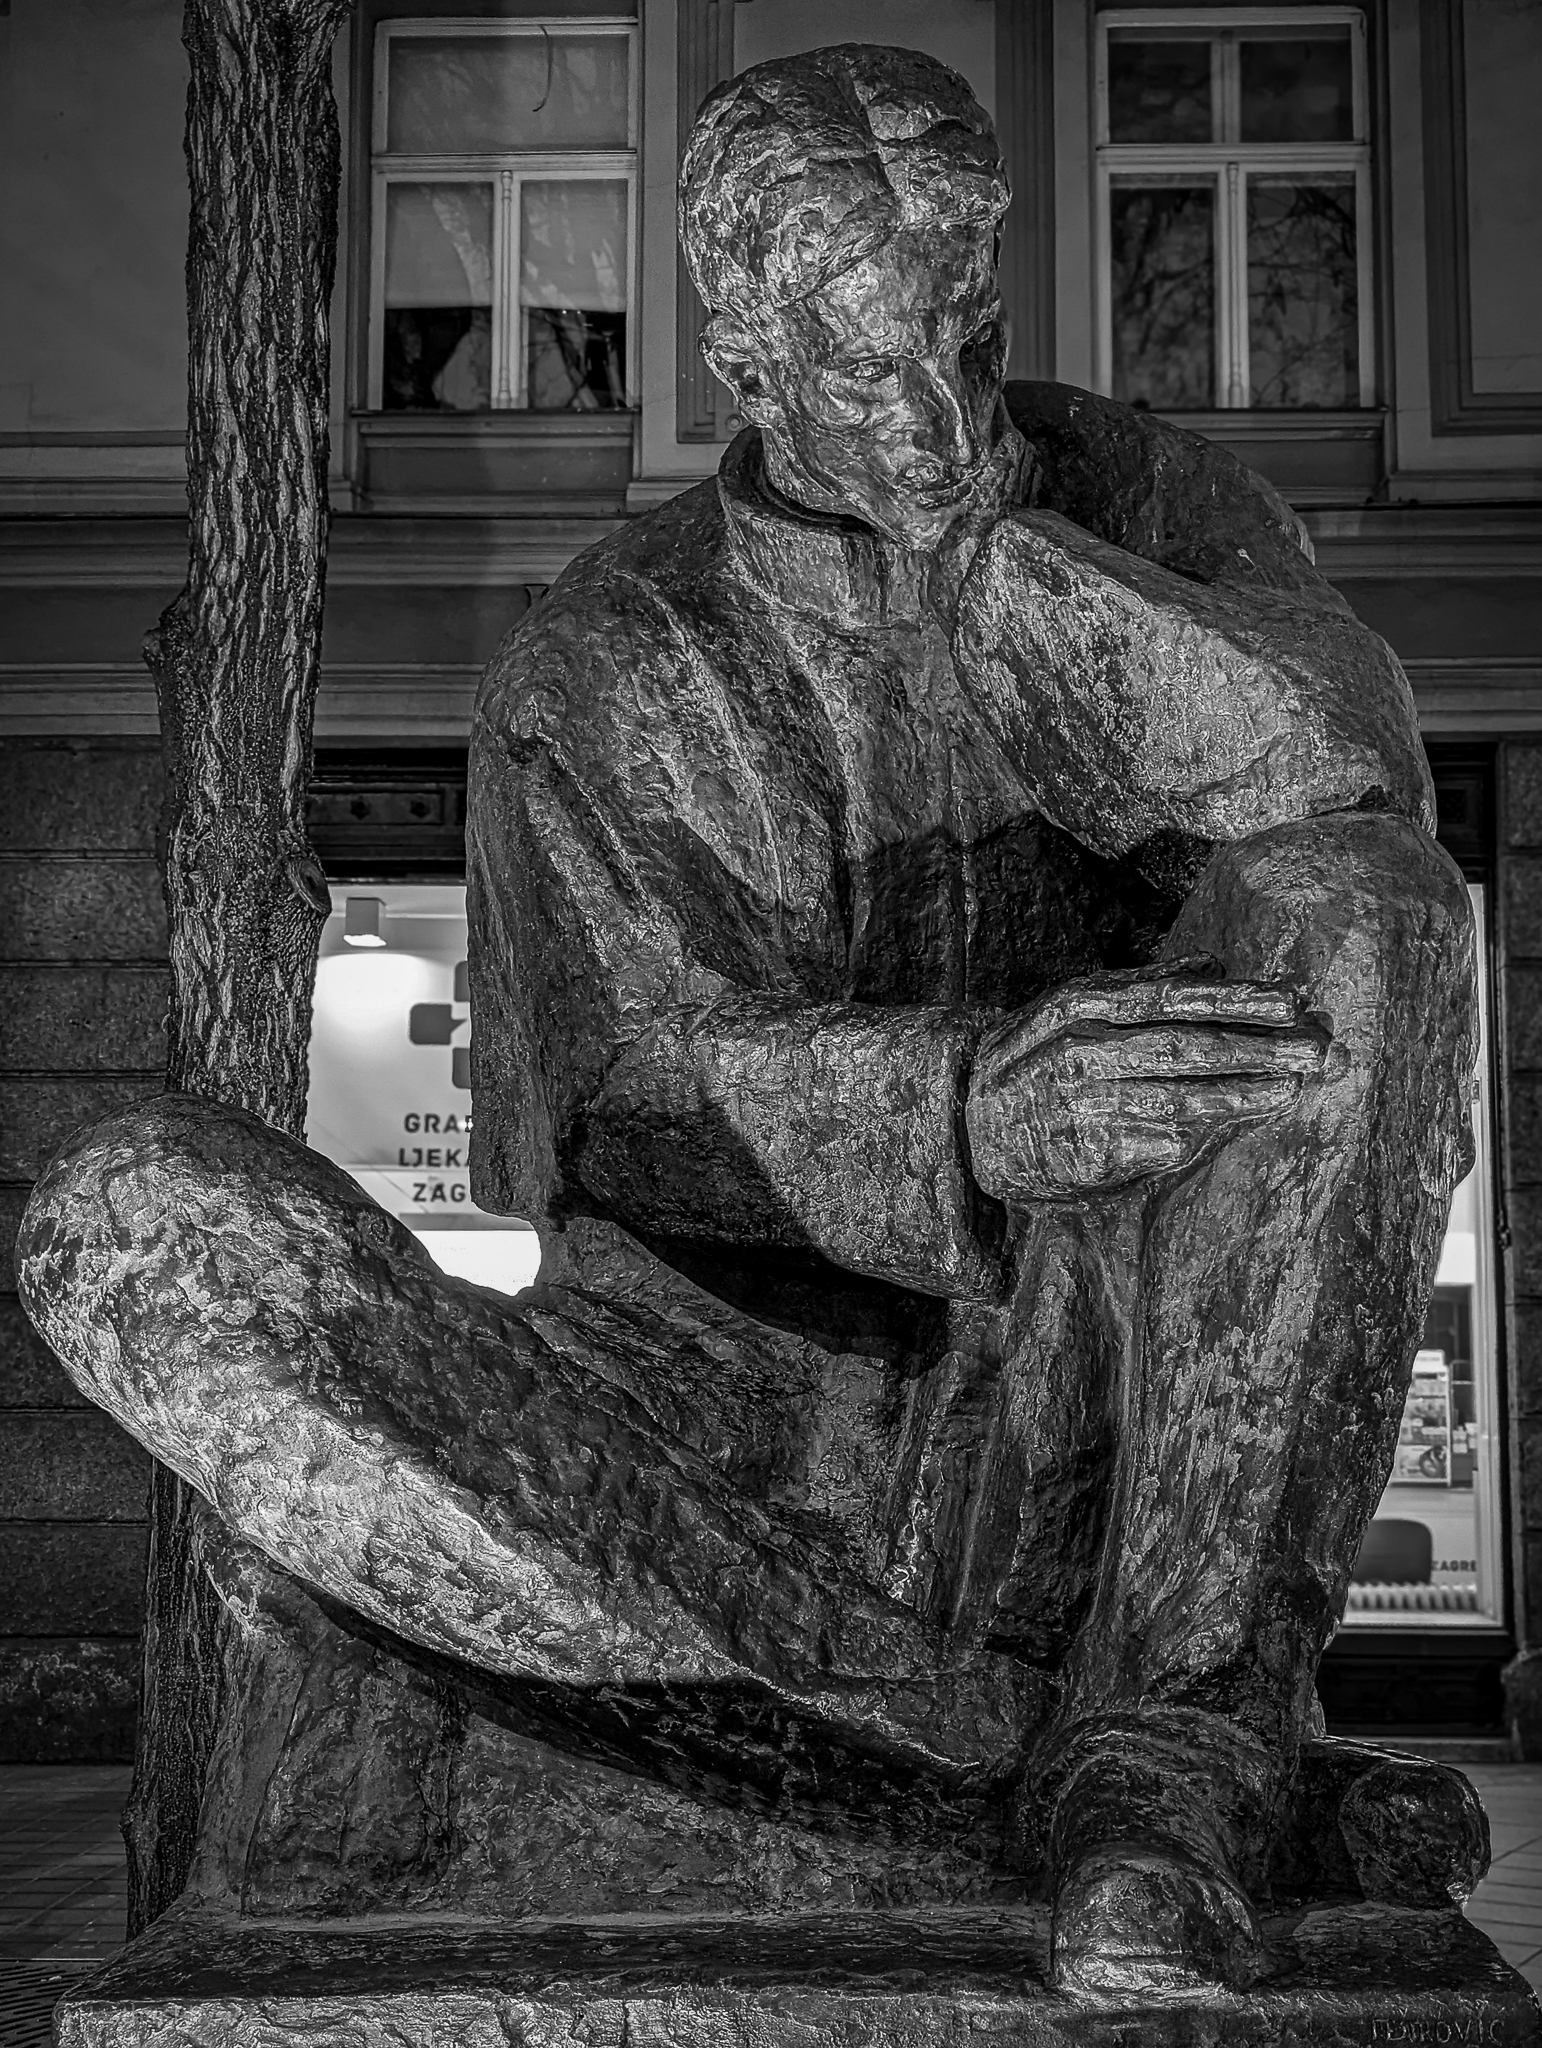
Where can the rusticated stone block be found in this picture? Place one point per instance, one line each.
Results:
(12, 1202)
(1522, 773)
(103, 909)
(1528, 1626)
(1526, 1240)
(1529, 1458)
(1523, 1105)
(66, 1467)
(68, 1699)
(1340, 1975)
(1526, 1358)
(72, 1578)
(30, 1375)
(1523, 907)
(1523, 1683)
(76, 1019)
(1523, 1016)
(37, 1115)
(65, 796)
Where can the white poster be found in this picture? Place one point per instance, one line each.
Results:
(390, 1079)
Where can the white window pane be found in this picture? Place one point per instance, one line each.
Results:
(572, 243)
(476, 94)
(439, 245)
(1303, 292)
(437, 322)
(572, 292)
(390, 1097)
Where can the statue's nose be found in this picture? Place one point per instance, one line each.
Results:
(949, 439)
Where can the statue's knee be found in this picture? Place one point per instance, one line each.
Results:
(122, 1226)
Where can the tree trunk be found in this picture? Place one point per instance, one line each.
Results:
(235, 661)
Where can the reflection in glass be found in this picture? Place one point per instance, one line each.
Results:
(572, 293)
(1299, 90)
(1162, 249)
(1158, 91)
(477, 94)
(438, 298)
(1303, 292)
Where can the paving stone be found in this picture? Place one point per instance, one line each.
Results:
(73, 909)
(71, 1467)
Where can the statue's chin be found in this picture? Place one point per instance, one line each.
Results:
(906, 521)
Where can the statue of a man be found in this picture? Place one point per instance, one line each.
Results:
(965, 987)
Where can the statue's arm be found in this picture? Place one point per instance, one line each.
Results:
(643, 1048)
(1159, 654)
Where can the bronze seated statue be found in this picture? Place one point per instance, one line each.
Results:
(966, 989)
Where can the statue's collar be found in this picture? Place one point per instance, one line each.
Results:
(840, 569)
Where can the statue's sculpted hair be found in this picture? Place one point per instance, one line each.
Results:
(800, 167)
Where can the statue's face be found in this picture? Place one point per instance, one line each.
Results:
(877, 396)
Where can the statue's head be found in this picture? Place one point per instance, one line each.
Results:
(839, 212)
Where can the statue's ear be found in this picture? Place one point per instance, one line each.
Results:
(737, 356)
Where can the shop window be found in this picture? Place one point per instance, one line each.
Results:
(503, 219)
(1432, 1556)
(390, 1072)
(1233, 185)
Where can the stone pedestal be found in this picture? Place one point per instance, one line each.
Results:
(1340, 1974)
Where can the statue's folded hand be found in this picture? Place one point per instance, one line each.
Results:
(1125, 1077)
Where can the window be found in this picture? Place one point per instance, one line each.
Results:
(1233, 209)
(1432, 1555)
(504, 221)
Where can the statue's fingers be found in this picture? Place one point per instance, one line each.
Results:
(1159, 999)
(1160, 1054)
(1205, 1109)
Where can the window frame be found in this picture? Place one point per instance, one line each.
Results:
(504, 171)
(1228, 165)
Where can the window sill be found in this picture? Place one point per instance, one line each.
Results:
(563, 464)
(1313, 458)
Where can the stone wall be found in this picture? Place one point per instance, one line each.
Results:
(82, 1016)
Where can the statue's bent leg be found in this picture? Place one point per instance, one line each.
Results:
(1278, 1304)
(495, 1480)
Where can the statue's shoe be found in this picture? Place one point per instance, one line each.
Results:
(1137, 1916)
(1152, 1823)
(1402, 1830)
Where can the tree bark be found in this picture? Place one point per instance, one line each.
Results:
(235, 660)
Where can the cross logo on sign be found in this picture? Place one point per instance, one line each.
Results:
(437, 1024)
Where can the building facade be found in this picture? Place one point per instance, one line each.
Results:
(1308, 231)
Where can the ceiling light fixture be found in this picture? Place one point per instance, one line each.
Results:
(362, 919)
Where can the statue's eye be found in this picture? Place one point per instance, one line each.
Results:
(872, 369)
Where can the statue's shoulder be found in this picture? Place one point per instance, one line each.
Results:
(1160, 491)
(620, 610)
